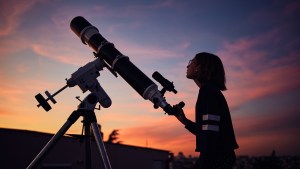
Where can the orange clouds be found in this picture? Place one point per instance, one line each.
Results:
(164, 133)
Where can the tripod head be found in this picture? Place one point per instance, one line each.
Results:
(86, 79)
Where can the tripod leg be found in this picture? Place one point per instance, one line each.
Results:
(73, 117)
(87, 142)
(100, 145)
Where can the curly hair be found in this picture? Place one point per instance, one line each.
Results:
(211, 69)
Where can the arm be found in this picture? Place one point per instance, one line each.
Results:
(189, 125)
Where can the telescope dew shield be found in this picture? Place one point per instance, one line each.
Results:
(121, 64)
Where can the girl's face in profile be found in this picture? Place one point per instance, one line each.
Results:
(192, 70)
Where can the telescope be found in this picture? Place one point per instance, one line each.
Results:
(121, 64)
(108, 56)
(86, 78)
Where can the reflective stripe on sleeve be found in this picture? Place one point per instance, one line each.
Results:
(208, 127)
(211, 117)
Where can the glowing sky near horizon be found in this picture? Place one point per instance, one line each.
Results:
(258, 41)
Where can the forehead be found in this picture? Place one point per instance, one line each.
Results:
(194, 60)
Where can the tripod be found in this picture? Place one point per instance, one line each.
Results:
(86, 110)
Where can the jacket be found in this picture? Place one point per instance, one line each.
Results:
(213, 127)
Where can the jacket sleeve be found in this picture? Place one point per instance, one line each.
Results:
(191, 127)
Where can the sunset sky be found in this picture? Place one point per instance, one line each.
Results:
(258, 42)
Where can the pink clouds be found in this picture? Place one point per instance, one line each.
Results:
(279, 121)
(250, 71)
(60, 54)
(12, 12)
(263, 65)
(270, 82)
(46, 34)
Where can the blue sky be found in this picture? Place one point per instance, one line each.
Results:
(258, 42)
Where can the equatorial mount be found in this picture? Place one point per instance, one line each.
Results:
(86, 78)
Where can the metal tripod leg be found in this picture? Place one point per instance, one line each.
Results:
(87, 142)
(91, 117)
(100, 145)
(73, 117)
(90, 121)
